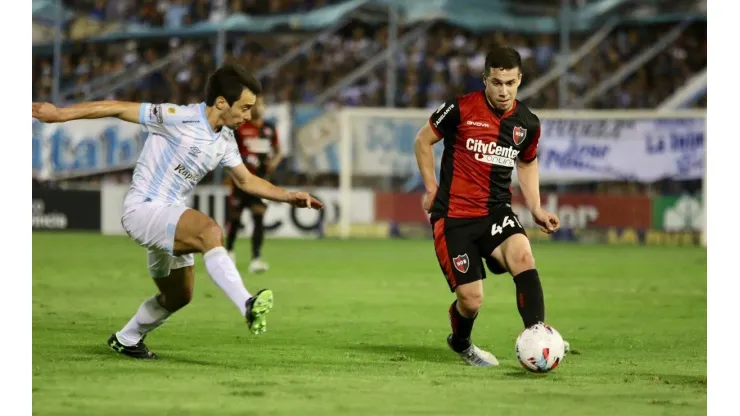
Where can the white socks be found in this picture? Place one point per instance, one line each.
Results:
(149, 316)
(223, 272)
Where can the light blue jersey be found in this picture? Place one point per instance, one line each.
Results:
(180, 150)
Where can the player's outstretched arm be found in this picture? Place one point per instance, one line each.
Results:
(425, 139)
(264, 189)
(49, 113)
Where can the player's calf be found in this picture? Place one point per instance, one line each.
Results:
(257, 265)
(517, 255)
(463, 312)
(235, 224)
(176, 290)
(258, 234)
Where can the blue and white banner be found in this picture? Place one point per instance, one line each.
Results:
(86, 147)
(589, 149)
(641, 150)
(83, 147)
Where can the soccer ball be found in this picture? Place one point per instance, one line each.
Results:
(540, 348)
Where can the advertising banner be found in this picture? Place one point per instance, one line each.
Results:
(677, 213)
(576, 211)
(85, 147)
(584, 217)
(57, 209)
(593, 148)
(281, 220)
(633, 150)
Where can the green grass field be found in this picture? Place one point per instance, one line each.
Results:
(359, 327)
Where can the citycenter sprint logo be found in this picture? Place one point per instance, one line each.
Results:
(491, 153)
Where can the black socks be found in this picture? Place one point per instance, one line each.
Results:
(461, 329)
(529, 297)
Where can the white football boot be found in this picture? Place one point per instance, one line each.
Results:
(258, 266)
(475, 356)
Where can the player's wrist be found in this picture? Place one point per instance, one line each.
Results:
(288, 196)
(64, 114)
(536, 209)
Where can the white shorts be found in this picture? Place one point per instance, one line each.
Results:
(152, 224)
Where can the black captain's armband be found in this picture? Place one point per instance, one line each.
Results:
(445, 119)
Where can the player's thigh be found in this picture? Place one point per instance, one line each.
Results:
(162, 264)
(153, 224)
(255, 204)
(457, 254)
(196, 232)
(258, 207)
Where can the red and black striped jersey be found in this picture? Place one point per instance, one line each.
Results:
(481, 147)
(258, 143)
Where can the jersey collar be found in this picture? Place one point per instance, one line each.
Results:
(202, 107)
(496, 112)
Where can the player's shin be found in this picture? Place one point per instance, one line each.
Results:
(462, 327)
(148, 318)
(223, 272)
(258, 235)
(231, 235)
(530, 299)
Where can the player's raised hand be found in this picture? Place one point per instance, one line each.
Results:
(45, 112)
(548, 222)
(304, 200)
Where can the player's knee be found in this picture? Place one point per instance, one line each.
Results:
(211, 236)
(470, 301)
(235, 217)
(521, 260)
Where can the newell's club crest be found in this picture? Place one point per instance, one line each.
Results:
(519, 135)
(462, 263)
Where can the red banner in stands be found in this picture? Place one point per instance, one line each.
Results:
(576, 210)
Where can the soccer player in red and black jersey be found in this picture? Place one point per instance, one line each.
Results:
(485, 134)
(259, 147)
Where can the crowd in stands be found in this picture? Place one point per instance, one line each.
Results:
(448, 61)
(178, 13)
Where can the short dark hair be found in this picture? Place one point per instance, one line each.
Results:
(504, 58)
(229, 82)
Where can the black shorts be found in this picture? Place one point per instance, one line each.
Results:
(241, 200)
(462, 244)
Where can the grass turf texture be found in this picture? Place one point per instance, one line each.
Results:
(359, 327)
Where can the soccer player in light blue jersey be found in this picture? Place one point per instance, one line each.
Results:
(184, 144)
